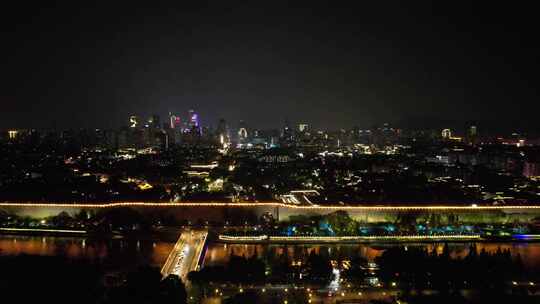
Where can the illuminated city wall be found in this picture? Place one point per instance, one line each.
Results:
(463, 216)
(220, 212)
(39, 212)
(191, 213)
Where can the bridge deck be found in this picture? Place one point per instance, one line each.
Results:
(186, 254)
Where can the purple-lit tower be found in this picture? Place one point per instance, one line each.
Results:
(193, 123)
(193, 119)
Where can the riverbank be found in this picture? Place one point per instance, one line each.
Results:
(169, 234)
(366, 239)
(34, 231)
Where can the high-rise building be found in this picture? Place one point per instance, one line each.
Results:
(242, 132)
(192, 123)
(287, 132)
(473, 131)
(303, 127)
(193, 119)
(222, 132)
(133, 121)
(473, 135)
(12, 134)
(531, 168)
(446, 133)
(174, 121)
(222, 127)
(154, 121)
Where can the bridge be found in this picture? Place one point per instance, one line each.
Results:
(186, 254)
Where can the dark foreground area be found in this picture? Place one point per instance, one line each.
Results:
(483, 298)
(39, 279)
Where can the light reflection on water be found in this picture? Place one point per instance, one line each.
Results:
(113, 254)
(127, 254)
(219, 253)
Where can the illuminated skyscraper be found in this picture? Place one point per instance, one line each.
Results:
(174, 121)
(242, 132)
(193, 119)
(286, 132)
(133, 121)
(473, 135)
(446, 134)
(13, 134)
(222, 132)
(303, 127)
(473, 131)
(154, 121)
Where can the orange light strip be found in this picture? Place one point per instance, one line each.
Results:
(42, 230)
(229, 238)
(260, 204)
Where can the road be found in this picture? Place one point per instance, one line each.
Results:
(363, 296)
(186, 253)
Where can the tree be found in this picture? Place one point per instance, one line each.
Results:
(341, 223)
(173, 290)
(319, 269)
(145, 286)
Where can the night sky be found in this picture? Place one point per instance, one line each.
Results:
(414, 65)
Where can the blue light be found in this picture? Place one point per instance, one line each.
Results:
(526, 237)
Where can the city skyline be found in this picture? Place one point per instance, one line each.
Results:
(183, 120)
(326, 65)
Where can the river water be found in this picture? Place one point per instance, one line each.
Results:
(114, 254)
(219, 253)
(119, 254)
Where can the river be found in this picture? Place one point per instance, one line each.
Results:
(114, 254)
(218, 253)
(120, 254)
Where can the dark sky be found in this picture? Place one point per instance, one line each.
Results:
(328, 65)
